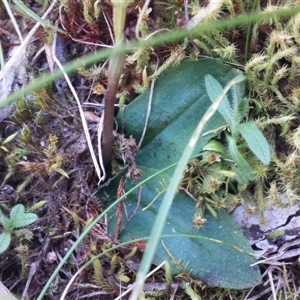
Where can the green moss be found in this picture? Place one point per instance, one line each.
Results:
(276, 234)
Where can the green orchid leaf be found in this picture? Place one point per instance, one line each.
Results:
(179, 101)
(255, 141)
(209, 253)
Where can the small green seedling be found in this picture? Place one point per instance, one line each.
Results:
(255, 140)
(17, 218)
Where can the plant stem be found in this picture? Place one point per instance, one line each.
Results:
(116, 64)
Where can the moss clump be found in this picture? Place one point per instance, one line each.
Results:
(275, 235)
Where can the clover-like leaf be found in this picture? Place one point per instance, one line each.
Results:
(17, 210)
(19, 218)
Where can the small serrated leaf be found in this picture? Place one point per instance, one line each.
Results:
(24, 233)
(17, 211)
(24, 220)
(215, 146)
(214, 89)
(4, 221)
(243, 170)
(5, 238)
(243, 106)
(255, 141)
(18, 217)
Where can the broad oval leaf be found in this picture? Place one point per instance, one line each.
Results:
(255, 141)
(179, 102)
(209, 254)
